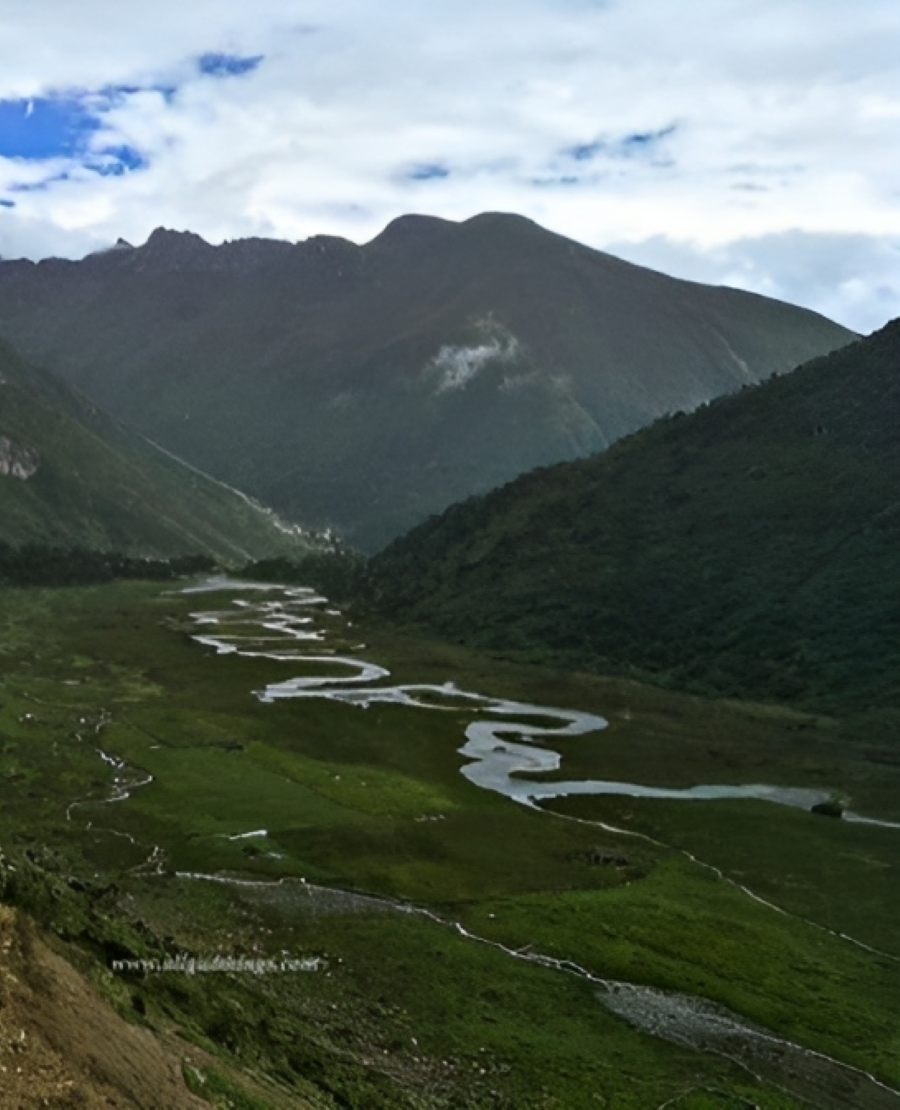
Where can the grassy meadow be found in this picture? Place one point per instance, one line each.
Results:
(383, 847)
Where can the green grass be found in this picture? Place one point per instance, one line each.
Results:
(683, 929)
(372, 800)
(843, 876)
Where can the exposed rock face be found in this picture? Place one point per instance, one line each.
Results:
(16, 460)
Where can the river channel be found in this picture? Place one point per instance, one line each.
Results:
(503, 749)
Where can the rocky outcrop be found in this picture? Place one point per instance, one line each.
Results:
(17, 460)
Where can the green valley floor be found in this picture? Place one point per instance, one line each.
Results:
(388, 934)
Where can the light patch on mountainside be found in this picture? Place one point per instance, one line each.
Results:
(343, 399)
(17, 461)
(457, 366)
(739, 362)
(520, 377)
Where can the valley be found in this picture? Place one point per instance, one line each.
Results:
(449, 556)
(473, 951)
(581, 793)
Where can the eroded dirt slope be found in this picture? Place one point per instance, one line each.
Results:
(63, 1046)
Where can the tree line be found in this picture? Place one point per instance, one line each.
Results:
(43, 565)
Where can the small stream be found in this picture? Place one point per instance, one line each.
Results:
(507, 743)
(687, 1020)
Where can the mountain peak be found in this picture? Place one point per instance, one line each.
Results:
(311, 373)
(411, 230)
(171, 250)
(164, 237)
(503, 219)
(121, 245)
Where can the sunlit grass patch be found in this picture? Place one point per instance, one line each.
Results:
(683, 929)
(363, 788)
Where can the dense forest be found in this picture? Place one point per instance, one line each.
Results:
(748, 549)
(36, 565)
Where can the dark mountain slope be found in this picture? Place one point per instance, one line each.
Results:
(366, 387)
(749, 548)
(70, 476)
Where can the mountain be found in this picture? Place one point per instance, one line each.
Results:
(367, 387)
(749, 549)
(71, 476)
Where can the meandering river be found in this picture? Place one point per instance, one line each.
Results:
(508, 744)
(501, 749)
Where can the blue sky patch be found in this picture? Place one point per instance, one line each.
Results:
(228, 65)
(637, 143)
(117, 160)
(7, 203)
(65, 126)
(45, 127)
(643, 140)
(38, 186)
(550, 182)
(428, 171)
(584, 152)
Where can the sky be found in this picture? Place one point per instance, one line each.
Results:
(751, 143)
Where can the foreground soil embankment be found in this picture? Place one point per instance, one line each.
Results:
(61, 1043)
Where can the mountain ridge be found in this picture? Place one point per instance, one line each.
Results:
(365, 387)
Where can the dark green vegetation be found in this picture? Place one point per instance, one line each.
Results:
(407, 1012)
(70, 476)
(749, 549)
(337, 571)
(367, 387)
(33, 565)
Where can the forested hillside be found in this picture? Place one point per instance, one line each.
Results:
(748, 549)
(70, 476)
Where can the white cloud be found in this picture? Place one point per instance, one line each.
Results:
(785, 117)
(853, 278)
(457, 366)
